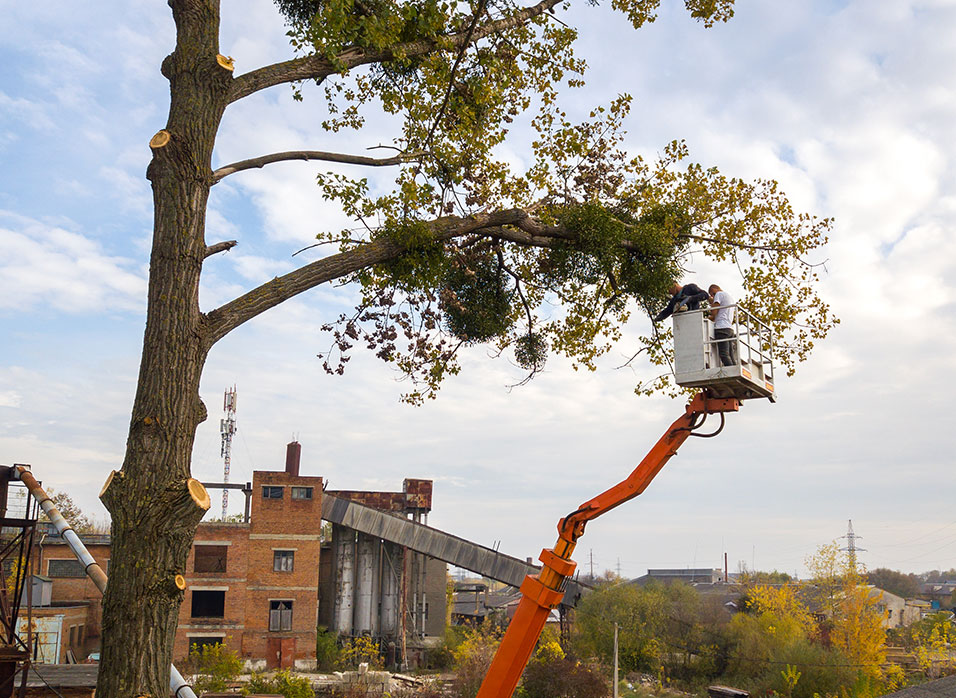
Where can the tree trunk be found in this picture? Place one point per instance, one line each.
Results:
(154, 504)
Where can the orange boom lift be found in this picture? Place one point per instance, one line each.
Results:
(544, 591)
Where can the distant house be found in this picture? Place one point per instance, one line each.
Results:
(474, 603)
(939, 594)
(689, 576)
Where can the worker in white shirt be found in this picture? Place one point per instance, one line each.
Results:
(723, 316)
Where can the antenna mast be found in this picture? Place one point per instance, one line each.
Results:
(227, 428)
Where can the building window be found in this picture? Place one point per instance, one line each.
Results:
(280, 615)
(65, 568)
(197, 643)
(282, 560)
(271, 492)
(210, 559)
(208, 604)
(301, 493)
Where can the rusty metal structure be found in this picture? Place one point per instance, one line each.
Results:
(18, 518)
(38, 498)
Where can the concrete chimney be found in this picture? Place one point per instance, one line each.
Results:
(292, 454)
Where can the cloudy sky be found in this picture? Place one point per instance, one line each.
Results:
(851, 105)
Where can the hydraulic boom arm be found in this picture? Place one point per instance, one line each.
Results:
(542, 592)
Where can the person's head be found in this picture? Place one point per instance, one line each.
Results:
(712, 289)
(675, 288)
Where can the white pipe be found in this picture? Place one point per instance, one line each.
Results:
(177, 684)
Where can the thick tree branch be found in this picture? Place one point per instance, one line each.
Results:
(219, 247)
(251, 163)
(226, 318)
(319, 68)
(513, 225)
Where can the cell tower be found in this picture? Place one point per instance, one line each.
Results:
(227, 428)
(851, 548)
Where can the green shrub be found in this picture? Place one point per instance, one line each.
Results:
(213, 667)
(472, 659)
(283, 682)
(326, 649)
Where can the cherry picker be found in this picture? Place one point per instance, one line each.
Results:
(696, 365)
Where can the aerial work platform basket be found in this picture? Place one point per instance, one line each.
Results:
(697, 361)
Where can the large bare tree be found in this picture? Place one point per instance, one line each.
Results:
(463, 250)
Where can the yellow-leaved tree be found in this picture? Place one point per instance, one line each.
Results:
(855, 617)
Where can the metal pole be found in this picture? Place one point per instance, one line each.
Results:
(615, 661)
(177, 684)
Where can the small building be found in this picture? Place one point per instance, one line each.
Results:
(253, 585)
(57, 632)
(67, 606)
(704, 575)
(939, 594)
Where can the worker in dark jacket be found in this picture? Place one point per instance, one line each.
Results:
(688, 294)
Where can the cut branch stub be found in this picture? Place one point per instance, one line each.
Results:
(109, 481)
(179, 582)
(160, 140)
(225, 62)
(198, 493)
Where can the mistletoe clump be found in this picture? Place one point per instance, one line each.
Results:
(531, 352)
(477, 299)
(638, 255)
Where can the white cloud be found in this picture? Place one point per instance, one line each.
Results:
(27, 113)
(852, 110)
(49, 265)
(10, 398)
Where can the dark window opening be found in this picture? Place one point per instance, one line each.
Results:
(210, 558)
(66, 568)
(197, 643)
(301, 493)
(280, 615)
(209, 604)
(271, 492)
(282, 560)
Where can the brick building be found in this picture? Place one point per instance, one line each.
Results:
(255, 585)
(73, 599)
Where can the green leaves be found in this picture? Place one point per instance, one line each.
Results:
(605, 233)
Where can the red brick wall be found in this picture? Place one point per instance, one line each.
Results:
(233, 581)
(415, 494)
(250, 582)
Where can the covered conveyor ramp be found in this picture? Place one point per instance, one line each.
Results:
(432, 542)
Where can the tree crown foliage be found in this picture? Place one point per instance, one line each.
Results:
(588, 234)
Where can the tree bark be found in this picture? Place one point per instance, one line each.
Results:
(154, 510)
(154, 504)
